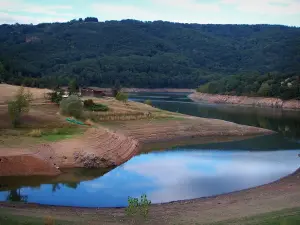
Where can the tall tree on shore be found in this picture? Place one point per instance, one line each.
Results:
(73, 87)
(19, 105)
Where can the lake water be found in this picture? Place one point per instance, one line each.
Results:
(176, 174)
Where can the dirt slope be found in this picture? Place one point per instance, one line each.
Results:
(100, 147)
(19, 165)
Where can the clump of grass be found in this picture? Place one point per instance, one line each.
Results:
(58, 134)
(35, 133)
(62, 131)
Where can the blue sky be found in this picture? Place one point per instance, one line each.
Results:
(285, 12)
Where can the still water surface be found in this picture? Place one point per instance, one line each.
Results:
(176, 174)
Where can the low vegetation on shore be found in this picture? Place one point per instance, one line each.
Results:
(283, 86)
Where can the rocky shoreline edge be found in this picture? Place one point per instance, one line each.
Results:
(245, 100)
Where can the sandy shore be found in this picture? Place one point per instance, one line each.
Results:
(103, 147)
(279, 195)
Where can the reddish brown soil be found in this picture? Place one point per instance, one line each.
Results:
(98, 147)
(21, 165)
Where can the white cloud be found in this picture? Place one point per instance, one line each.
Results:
(191, 5)
(186, 11)
(23, 12)
(170, 10)
(119, 12)
(6, 18)
(266, 7)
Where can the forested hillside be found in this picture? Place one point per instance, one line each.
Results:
(143, 54)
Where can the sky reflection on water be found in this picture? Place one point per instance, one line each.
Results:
(172, 175)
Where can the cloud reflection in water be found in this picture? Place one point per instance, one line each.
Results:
(172, 175)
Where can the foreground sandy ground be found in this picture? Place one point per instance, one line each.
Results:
(276, 196)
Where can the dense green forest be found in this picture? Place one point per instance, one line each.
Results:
(146, 54)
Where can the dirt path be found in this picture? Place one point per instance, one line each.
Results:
(279, 195)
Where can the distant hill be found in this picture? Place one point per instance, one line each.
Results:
(143, 54)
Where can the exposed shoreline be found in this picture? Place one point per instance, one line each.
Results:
(102, 147)
(246, 101)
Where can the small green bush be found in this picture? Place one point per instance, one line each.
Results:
(121, 96)
(148, 102)
(71, 106)
(138, 207)
(98, 108)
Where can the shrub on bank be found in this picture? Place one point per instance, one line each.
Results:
(96, 107)
(18, 105)
(71, 106)
(138, 209)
